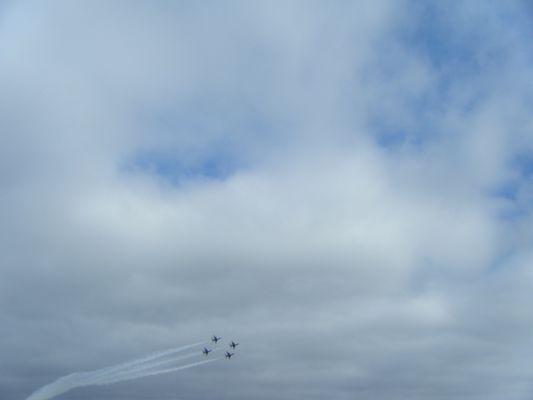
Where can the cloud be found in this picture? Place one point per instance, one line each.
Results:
(343, 188)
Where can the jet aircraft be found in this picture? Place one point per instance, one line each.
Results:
(206, 351)
(215, 339)
(233, 344)
(228, 355)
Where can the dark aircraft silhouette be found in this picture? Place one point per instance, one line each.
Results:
(215, 339)
(228, 355)
(233, 344)
(206, 351)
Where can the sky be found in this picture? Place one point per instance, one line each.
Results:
(346, 188)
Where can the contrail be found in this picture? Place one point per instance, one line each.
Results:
(131, 370)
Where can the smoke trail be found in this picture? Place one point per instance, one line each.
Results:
(156, 372)
(143, 367)
(131, 370)
(135, 363)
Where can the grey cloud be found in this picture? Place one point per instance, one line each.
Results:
(345, 268)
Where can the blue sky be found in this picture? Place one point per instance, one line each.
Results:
(346, 188)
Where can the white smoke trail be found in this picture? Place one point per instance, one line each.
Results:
(131, 370)
(135, 363)
(143, 367)
(156, 372)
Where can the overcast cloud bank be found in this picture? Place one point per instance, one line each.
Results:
(345, 188)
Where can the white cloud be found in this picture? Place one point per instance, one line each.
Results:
(344, 266)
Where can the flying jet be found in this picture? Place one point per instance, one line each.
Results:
(206, 351)
(233, 344)
(228, 355)
(215, 339)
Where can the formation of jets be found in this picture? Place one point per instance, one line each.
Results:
(215, 340)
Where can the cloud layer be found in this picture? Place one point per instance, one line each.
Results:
(345, 188)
